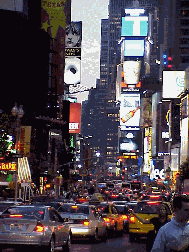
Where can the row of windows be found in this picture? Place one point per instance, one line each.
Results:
(112, 114)
(185, 32)
(111, 153)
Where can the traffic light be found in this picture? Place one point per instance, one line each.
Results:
(169, 65)
(165, 60)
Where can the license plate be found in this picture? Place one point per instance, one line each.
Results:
(16, 227)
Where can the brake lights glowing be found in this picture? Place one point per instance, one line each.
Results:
(132, 219)
(16, 215)
(74, 207)
(39, 228)
(86, 223)
(124, 217)
(107, 220)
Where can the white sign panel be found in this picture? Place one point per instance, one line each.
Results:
(173, 83)
(131, 71)
(130, 110)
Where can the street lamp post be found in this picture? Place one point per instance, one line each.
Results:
(18, 112)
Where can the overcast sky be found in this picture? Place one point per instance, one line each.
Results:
(90, 12)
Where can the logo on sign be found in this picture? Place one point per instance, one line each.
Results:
(156, 173)
(73, 126)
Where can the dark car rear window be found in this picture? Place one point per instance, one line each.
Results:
(104, 209)
(24, 212)
(74, 209)
(145, 208)
(122, 209)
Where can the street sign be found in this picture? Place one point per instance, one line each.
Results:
(82, 172)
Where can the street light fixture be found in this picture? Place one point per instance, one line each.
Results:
(18, 112)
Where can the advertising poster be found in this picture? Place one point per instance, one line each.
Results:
(146, 112)
(129, 143)
(73, 40)
(55, 17)
(130, 110)
(53, 21)
(131, 71)
(75, 118)
(173, 83)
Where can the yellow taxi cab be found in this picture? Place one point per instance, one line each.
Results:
(111, 216)
(143, 212)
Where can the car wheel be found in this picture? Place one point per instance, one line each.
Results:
(115, 231)
(95, 237)
(132, 238)
(67, 246)
(51, 246)
(105, 236)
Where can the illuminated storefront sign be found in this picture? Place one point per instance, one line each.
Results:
(8, 167)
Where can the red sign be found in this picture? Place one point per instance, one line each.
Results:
(8, 167)
(75, 118)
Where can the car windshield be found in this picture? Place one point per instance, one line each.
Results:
(24, 212)
(122, 209)
(145, 208)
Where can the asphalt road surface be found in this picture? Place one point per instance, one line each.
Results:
(118, 244)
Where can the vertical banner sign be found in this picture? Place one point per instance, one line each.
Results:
(75, 118)
(25, 137)
(73, 41)
(55, 15)
(53, 20)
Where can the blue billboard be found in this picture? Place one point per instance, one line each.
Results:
(134, 26)
(134, 47)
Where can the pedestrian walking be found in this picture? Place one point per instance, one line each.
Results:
(158, 222)
(174, 235)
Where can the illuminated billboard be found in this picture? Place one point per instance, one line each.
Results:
(131, 71)
(130, 110)
(134, 26)
(130, 142)
(72, 73)
(75, 118)
(146, 112)
(134, 47)
(173, 83)
(73, 39)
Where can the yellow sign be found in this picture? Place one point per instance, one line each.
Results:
(8, 167)
(55, 17)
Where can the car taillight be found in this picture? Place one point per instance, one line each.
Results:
(132, 219)
(153, 203)
(86, 223)
(15, 215)
(124, 217)
(107, 220)
(154, 197)
(39, 228)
